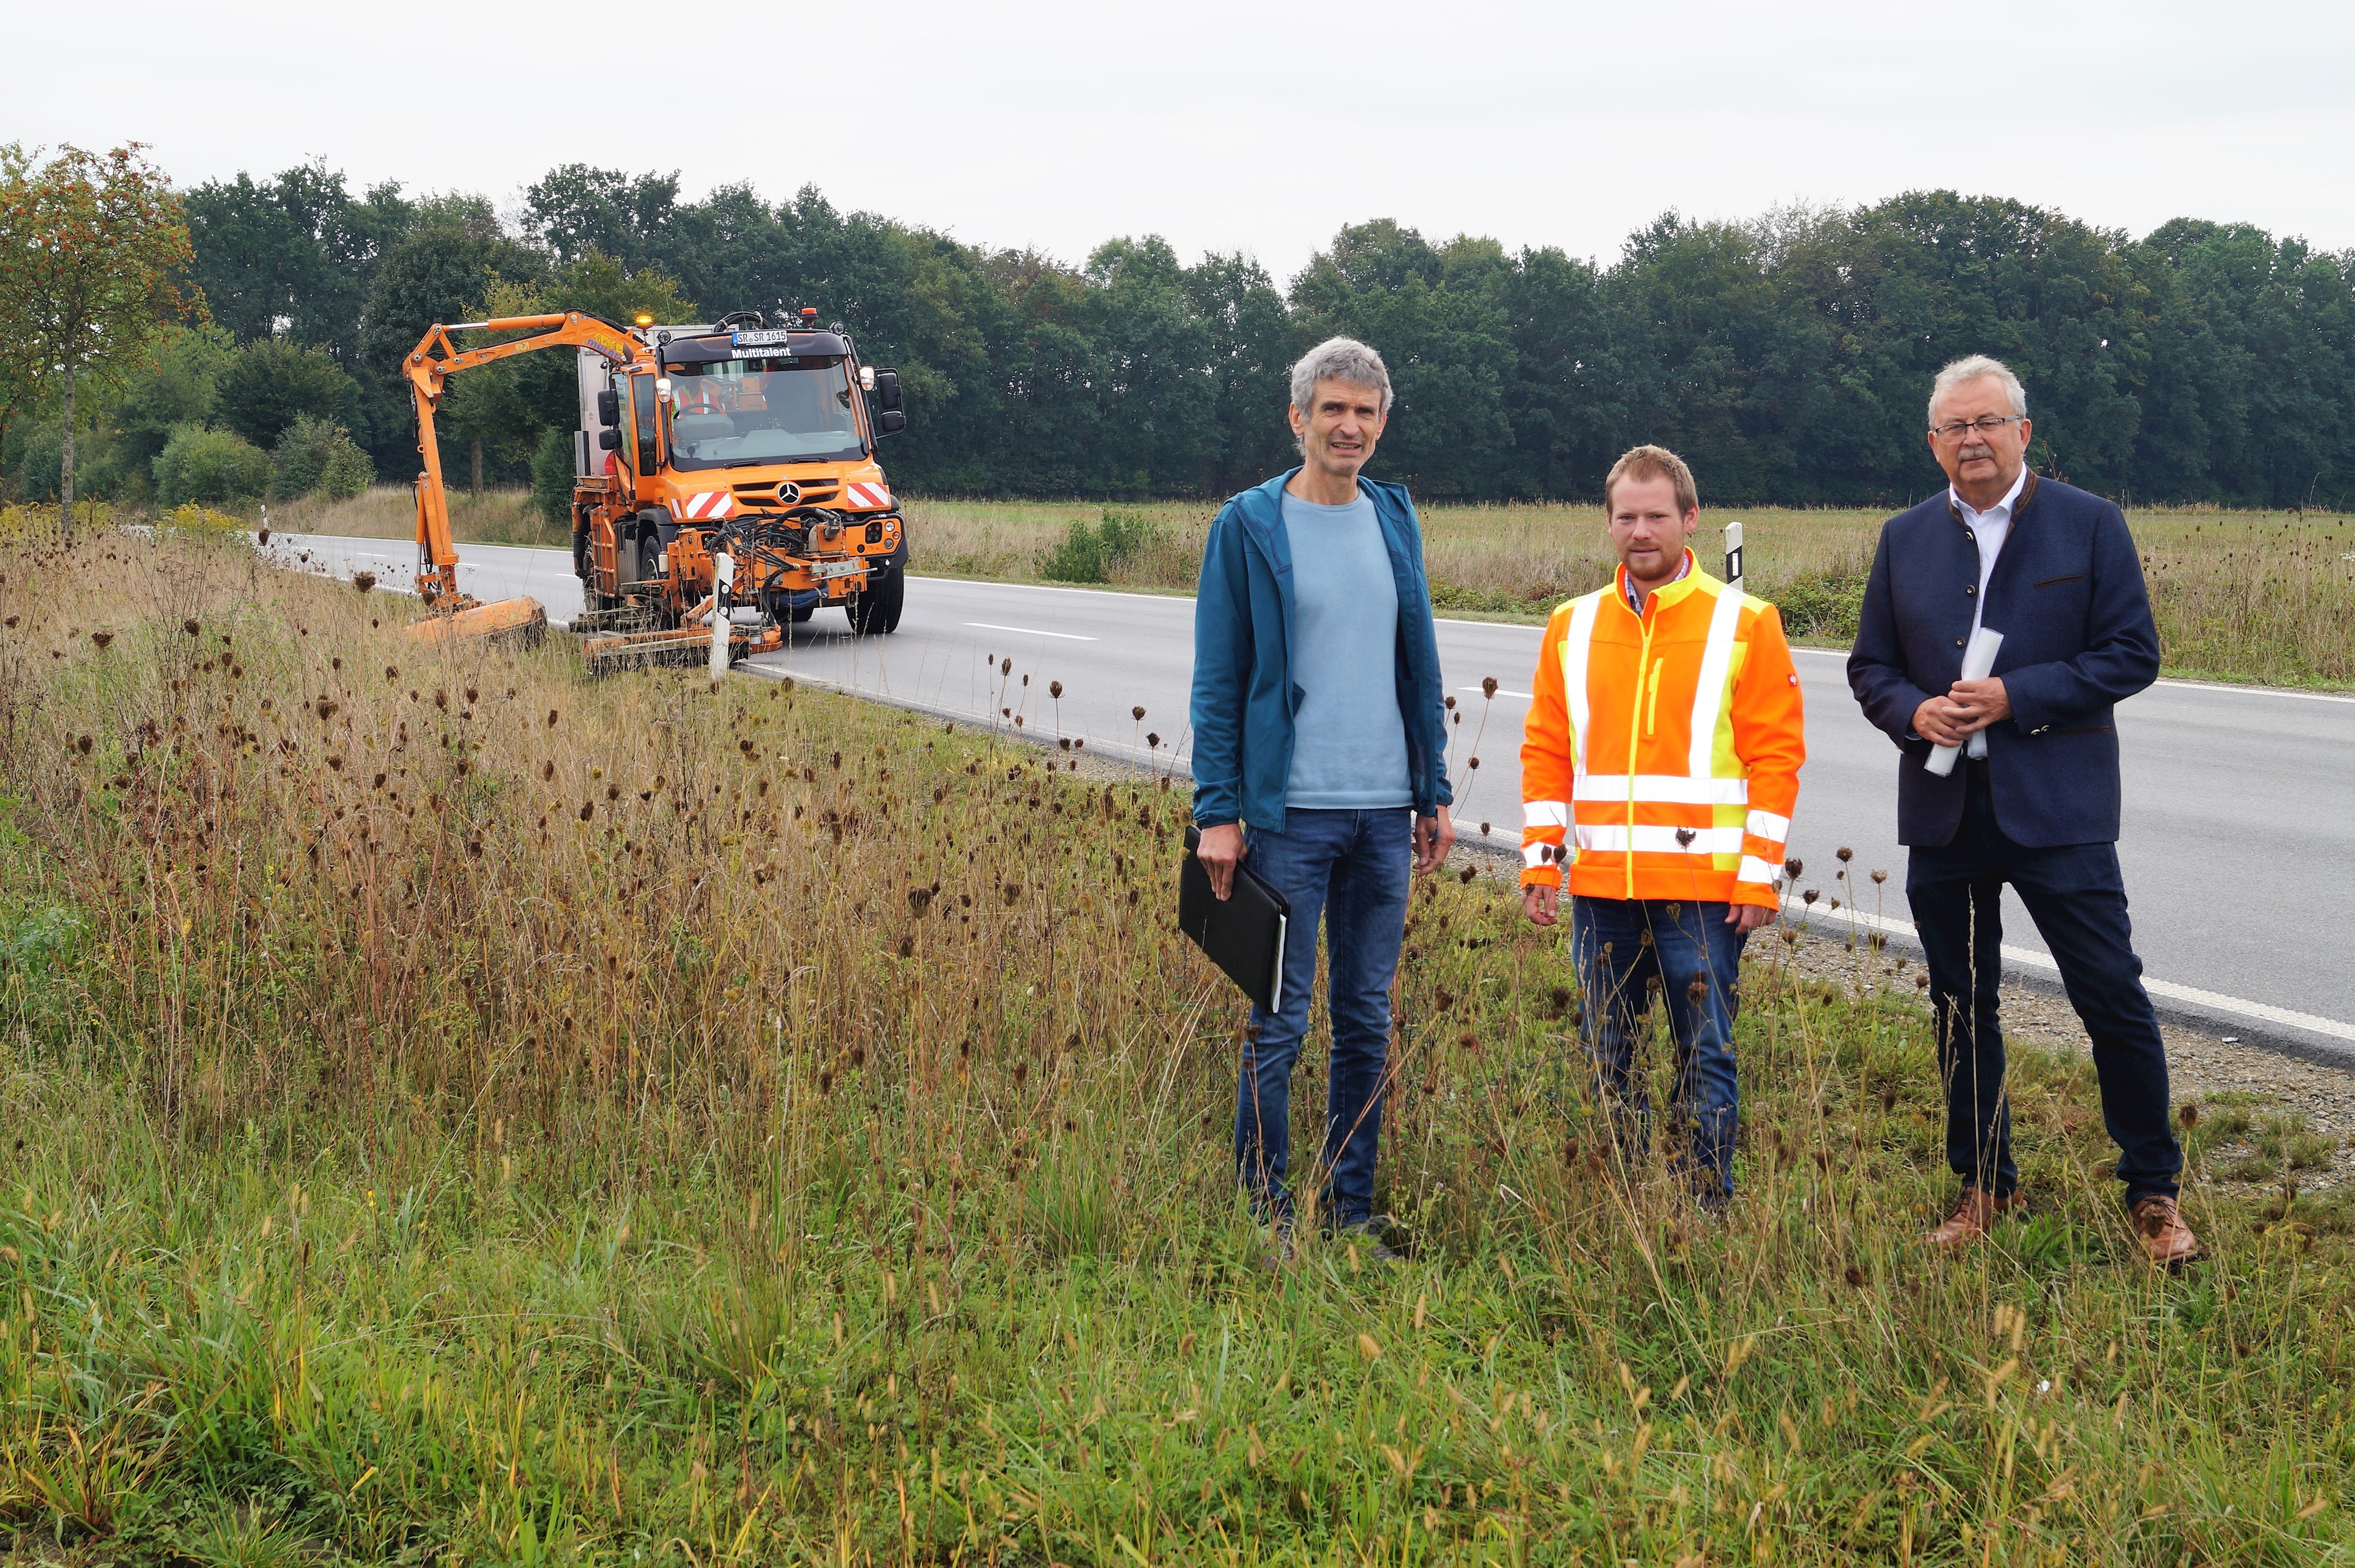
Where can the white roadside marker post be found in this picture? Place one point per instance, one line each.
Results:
(723, 577)
(1733, 555)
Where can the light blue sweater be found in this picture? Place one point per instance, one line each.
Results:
(1349, 743)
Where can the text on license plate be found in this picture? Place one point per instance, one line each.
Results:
(822, 569)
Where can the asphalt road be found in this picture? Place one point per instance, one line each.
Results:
(2239, 844)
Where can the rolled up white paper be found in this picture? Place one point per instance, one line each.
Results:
(1978, 663)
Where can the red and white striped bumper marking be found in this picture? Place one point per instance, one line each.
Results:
(708, 506)
(867, 493)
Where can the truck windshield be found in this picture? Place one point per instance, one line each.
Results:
(736, 412)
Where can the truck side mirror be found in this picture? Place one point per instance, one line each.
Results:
(887, 390)
(891, 422)
(608, 409)
(609, 439)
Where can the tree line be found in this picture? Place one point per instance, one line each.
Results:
(1787, 359)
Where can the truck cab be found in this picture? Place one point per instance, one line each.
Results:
(757, 440)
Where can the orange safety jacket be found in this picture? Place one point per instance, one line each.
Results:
(1662, 753)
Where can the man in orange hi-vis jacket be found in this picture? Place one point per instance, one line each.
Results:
(1659, 769)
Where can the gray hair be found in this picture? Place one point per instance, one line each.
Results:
(1976, 367)
(1339, 359)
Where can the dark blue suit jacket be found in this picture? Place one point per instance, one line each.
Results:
(2067, 593)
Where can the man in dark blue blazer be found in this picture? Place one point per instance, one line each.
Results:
(2034, 798)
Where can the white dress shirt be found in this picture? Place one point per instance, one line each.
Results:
(1989, 528)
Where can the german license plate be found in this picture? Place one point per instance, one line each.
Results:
(823, 570)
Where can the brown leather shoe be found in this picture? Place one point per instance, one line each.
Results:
(1974, 1214)
(2165, 1237)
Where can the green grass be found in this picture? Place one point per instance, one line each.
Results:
(654, 1122)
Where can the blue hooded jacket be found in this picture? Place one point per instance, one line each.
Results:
(1245, 695)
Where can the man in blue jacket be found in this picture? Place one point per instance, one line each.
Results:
(1319, 751)
(2033, 799)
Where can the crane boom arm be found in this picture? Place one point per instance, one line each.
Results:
(429, 368)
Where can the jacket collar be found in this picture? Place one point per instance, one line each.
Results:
(2027, 494)
(1669, 594)
(1260, 508)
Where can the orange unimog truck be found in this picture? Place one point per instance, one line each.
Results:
(741, 438)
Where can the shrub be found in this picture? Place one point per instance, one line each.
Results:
(1089, 552)
(189, 518)
(317, 455)
(552, 476)
(1821, 606)
(201, 464)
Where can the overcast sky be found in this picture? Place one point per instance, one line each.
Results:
(1255, 127)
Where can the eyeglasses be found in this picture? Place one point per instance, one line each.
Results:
(1985, 424)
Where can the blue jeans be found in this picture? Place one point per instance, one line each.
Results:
(1622, 947)
(2077, 897)
(1351, 868)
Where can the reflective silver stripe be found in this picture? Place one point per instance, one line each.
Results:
(1545, 814)
(1574, 641)
(1708, 693)
(1754, 869)
(1662, 789)
(1612, 837)
(1767, 825)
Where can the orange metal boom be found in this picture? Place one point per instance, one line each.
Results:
(429, 367)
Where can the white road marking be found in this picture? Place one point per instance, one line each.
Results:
(2212, 1000)
(1500, 691)
(1031, 631)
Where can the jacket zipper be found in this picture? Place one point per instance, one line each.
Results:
(1642, 663)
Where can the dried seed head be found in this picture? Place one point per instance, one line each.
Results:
(1697, 991)
(327, 708)
(364, 580)
(1466, 874)
(101, 638)
(551, 718)
(2189, 1115)
(1136, 713)
(190, 626)
(1006, 666)
(1488, 686)
(1792, 867)
(1879, 876)
(1685, 835)
(83, 745)
(1811, 895)
(547, 772)
(1055, 689)
(1855, 1277)
(1845, 854)
(1153, 739)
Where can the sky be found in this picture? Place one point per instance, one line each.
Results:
(1259, 128)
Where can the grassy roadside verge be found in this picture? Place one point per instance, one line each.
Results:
(468, 1113)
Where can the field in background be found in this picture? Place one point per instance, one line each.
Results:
(389, 512)
(461, 1112)
(2240, 596)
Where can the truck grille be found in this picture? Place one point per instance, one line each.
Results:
(813, 493)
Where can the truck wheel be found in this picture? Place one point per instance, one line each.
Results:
(877, 611)
(649, 572)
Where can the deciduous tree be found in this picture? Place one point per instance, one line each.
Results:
(93, 251)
